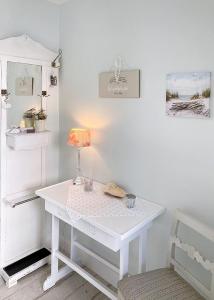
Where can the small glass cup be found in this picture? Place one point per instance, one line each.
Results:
(130, 200)
(88, 184)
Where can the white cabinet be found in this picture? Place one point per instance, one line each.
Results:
(24, 225)
(24, 169)
(27, 161)
(28, 141)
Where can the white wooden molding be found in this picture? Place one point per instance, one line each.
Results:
(24, 47)
(193, 254)
(196, 225)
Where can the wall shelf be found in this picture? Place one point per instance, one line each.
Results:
(28, 141)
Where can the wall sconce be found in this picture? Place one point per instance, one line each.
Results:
(56, 62)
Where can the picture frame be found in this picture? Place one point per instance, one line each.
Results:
(126, 84)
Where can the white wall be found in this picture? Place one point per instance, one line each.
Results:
(166, 160)
(37, 18)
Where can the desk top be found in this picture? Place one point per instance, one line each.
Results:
(117, 225)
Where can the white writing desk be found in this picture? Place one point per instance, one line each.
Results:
(114, 232)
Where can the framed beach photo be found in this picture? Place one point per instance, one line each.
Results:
(188, 94)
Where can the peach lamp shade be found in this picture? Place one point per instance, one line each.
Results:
(79, 137)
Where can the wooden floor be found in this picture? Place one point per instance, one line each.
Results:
(73, 287)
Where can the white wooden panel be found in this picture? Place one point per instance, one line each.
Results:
(3, 130)
(24, 170)
(24, 47)
(142, 245)
(193, 253)
(52, 123)
(124, 261)
(196, 225)
(23, 223)
(83, 226)
(55, 245)
(29, 141)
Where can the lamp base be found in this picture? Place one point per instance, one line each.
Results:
(78, 180)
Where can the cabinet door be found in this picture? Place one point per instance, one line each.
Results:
(24, 171)
(24, 225)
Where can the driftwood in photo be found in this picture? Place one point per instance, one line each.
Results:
(195, 106)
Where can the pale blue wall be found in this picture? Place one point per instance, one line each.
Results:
(37, 18)
(166, 160)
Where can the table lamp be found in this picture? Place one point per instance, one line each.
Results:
(79, 138)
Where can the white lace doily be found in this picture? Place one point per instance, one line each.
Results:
(97, 204)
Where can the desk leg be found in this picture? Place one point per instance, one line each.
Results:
(142, 252)
(73, 254)
(124, 260)
(51, 280)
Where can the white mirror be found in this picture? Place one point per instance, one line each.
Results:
(24, 84)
